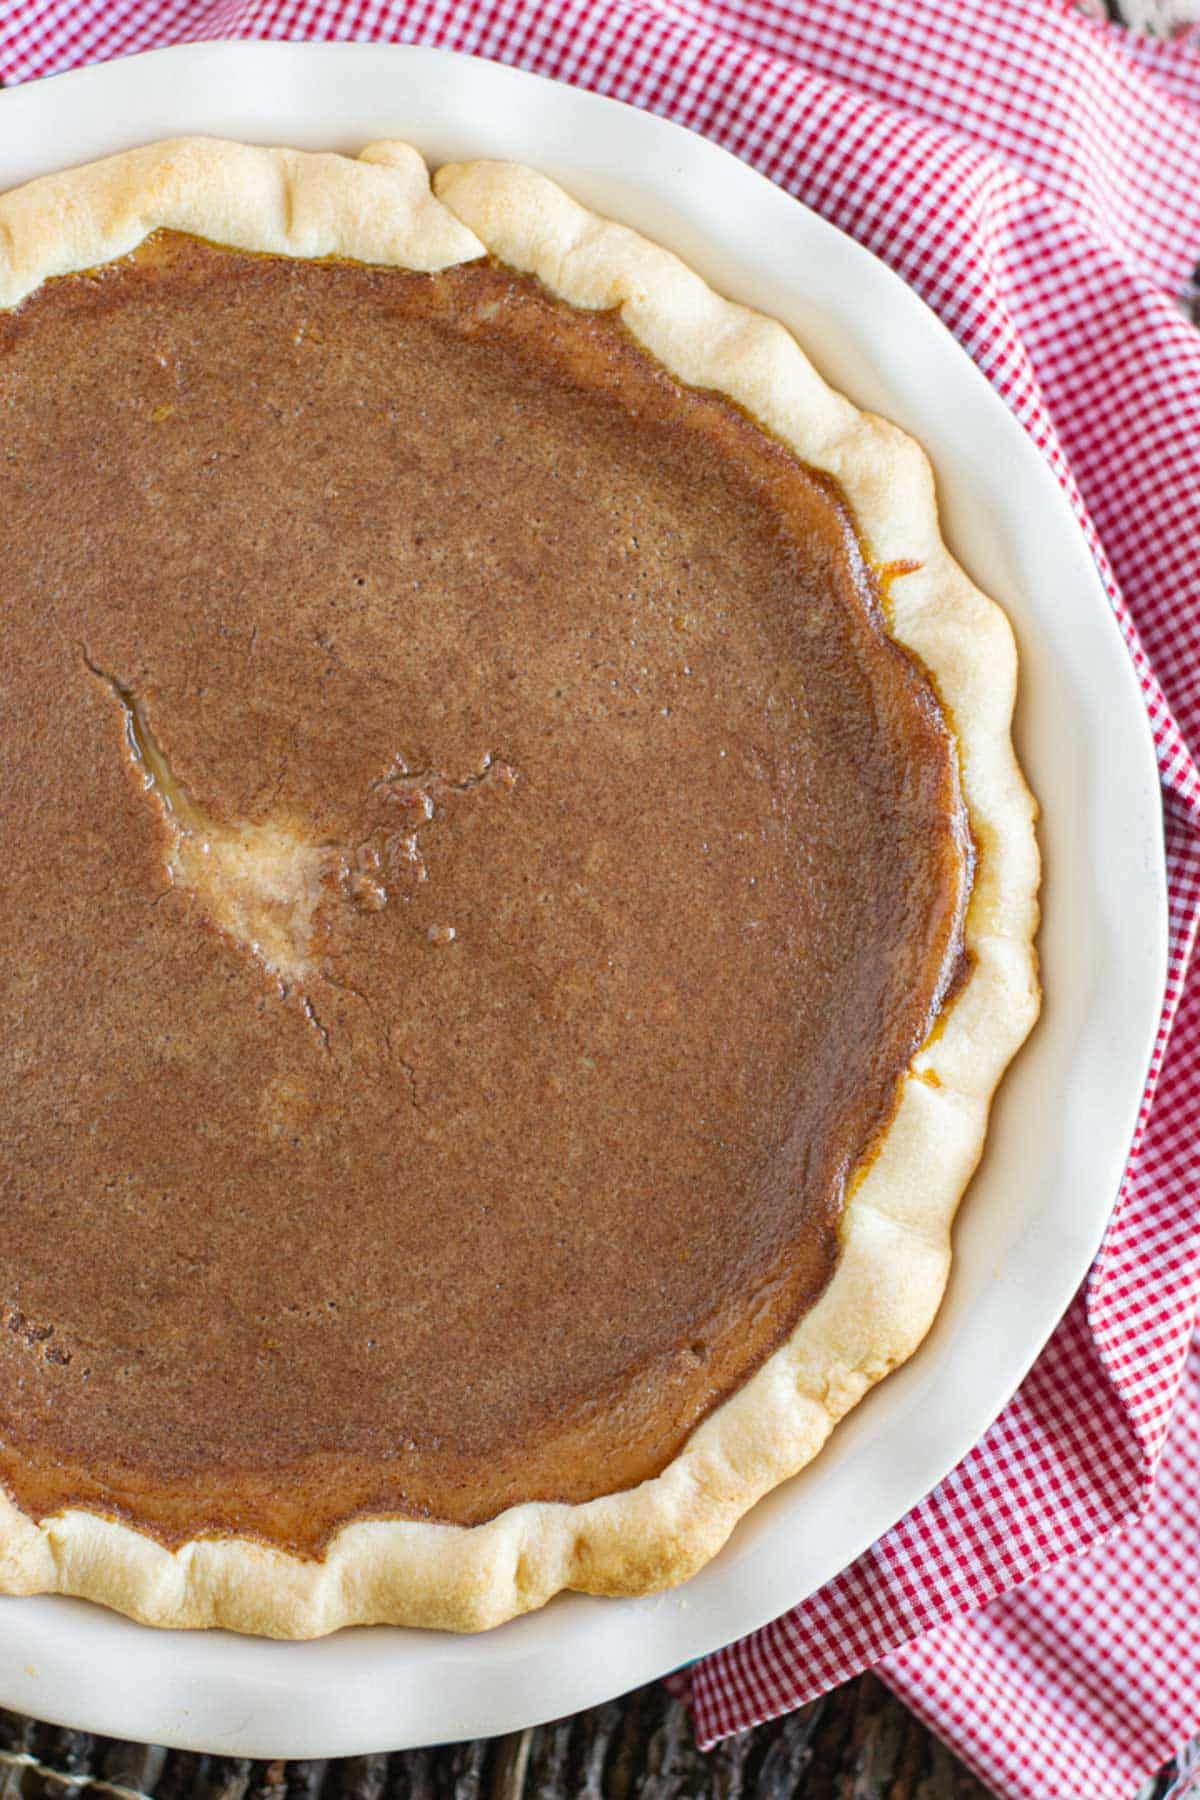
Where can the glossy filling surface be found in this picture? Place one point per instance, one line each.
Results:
(476, 870)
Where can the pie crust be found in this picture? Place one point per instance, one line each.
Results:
(895, 1251)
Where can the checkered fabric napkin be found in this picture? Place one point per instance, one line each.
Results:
(1035, 175)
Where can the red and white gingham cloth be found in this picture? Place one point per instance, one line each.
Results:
(1035, 175)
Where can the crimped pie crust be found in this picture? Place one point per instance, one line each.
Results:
(895, 1250)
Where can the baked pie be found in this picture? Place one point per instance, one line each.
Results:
(518, 895)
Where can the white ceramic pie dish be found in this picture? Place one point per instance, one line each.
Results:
(1065, 1115)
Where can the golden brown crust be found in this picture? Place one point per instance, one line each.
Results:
(895, 1255)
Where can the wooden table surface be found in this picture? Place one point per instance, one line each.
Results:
(858, 1743)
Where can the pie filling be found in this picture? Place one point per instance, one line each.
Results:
(477, 871)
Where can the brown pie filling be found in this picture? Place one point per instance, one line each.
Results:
(475, 872)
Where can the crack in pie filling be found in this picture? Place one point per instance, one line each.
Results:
(518, 895)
